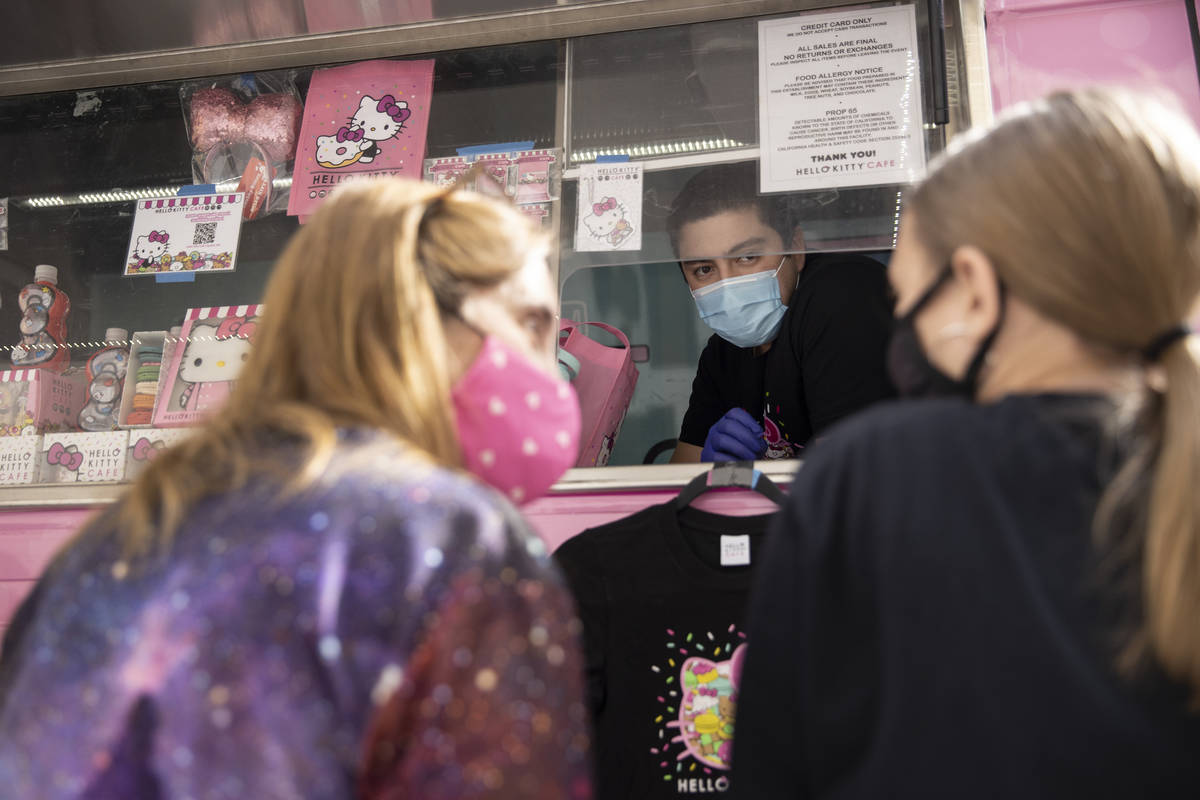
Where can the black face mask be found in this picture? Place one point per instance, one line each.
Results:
(911, 370)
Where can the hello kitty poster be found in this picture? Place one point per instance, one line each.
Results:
(609, 215)
(361, 121)
(214, 343)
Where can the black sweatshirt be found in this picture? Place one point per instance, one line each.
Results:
(930, 620)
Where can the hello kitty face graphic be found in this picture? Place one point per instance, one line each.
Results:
(375, 120)
(380, 120)
(209, 358)
(706, 711)
(152, 246)
(607, 222)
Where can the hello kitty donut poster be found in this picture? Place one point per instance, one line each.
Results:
(214, 343)
(361, 121)
(609, 216)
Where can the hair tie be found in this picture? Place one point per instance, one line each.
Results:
(1159, 344)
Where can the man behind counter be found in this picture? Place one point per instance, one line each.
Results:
(799, 342)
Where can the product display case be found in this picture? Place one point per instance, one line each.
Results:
(671, 86)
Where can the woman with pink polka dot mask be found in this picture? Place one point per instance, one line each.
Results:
(327, 571)
(517, 419)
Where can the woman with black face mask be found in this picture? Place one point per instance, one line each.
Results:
(994, 591)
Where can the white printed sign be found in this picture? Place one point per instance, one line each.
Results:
(610, 208)
(83, 457)
(839, 100)
(19, 459)
(193, 233)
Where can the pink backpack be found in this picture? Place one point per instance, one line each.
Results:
(605, 382)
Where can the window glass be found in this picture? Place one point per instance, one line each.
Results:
(681, 102)
(694, 129)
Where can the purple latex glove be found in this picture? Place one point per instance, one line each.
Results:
(735, 437)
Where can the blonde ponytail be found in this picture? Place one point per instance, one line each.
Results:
(1171, 554)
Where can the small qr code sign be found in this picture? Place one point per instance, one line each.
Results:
(188, 233)
(206, 233)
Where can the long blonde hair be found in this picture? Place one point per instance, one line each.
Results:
(1088, 204)
(351, 335)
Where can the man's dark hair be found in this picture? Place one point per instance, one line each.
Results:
(727, 187)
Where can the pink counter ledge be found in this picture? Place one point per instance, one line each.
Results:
(36, 521)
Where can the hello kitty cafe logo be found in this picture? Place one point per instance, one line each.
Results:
(358, 141)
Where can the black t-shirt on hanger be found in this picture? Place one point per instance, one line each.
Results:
(827, 361)
(664, 645)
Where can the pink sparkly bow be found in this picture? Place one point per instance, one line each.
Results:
(349, 135)
(235, 326)
(145, 450)
(159, 236)
(68, 457)
(608, 204)
(387, 105)
(269, 120)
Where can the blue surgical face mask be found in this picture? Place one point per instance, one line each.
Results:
(745, 311)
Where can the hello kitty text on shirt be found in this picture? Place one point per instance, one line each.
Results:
(360, 121)
(215, 342)
(610, 208)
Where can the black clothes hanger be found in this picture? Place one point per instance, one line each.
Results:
(740, 474)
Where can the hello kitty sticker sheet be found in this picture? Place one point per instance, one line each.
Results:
(193, 233)
(214, 343)
(609, 217)
(361, 121)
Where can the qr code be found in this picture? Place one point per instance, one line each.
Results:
(206, 233)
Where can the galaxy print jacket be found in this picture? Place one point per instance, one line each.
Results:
(393, 632)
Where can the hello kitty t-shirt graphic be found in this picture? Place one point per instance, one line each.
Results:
(662, 598)
(697, 708)
(360, 121)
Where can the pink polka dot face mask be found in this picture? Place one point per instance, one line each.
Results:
(518, 427)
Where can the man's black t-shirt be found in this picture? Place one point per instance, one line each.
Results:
(663, 641)
(827, 361)
(931, 619)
